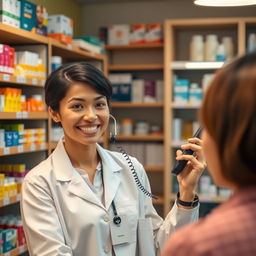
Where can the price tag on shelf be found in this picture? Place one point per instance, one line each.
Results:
(70, 47)
(42, 82)
(21, 79)
(32, 147)
(6, 77)
(21, 249)
(7, 254)
(6, 151)
(42, 146)
(34, 81)
(24, 114)
(6, 201)
(19, 115)
(20, 148)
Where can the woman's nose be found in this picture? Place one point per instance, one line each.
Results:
(90, 115)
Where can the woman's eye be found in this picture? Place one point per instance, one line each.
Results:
(77, 106)
(101, 104)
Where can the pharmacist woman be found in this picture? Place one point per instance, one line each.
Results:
(83, 199)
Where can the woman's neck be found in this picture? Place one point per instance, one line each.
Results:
(82, 156)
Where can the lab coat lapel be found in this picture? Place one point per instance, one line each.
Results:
(111, 176)
(65, 172)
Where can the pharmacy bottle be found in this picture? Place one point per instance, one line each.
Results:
(127, 126)
(197, 48)
(251, 46)
(220, 53)
(211, 45)
(228, 47)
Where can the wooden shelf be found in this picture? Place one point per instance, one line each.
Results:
(72, 52)
(10, 200)
(154, 168)
(136, 105)
(10, 35)
(185, 106)
(10, 79)
(23, 115)
(159, 137)
(23, 149)
(133, 47)
(136, 67)
(16, 251)
(197, 65)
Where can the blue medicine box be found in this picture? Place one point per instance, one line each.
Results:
(27, 15)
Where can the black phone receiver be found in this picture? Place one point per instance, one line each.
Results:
(180, 165)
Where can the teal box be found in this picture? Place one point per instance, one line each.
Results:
(27, 15)
(9, 238)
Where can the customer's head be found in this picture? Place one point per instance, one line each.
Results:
(228, 115)
(63, 78)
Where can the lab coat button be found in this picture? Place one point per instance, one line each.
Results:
(106, 218)
(106, 249)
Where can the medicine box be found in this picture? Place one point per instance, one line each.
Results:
(10, 12)
(119, 34)
(9, 239)
(27, 15)
(60, 27)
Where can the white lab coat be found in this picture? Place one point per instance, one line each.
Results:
(62, 215)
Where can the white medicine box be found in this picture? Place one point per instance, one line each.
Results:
(119, 34)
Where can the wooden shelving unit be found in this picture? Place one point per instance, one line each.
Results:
(10, 200)
(136, 105)
(178, 33)
(158, 137)
(23, 115)
(48, 47)
(20, 81)
(135, 67)
(133, 47)
(144, 62)
(23, 149)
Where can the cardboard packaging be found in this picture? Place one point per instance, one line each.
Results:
(27, 15)
(60, 27)
(119, 34)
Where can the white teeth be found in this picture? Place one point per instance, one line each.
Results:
(89, 129)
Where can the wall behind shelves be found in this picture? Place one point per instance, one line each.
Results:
(95, 15)
(69, 8)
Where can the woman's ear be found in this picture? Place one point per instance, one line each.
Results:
(54, 115)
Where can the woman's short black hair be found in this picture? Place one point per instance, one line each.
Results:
(59, 81)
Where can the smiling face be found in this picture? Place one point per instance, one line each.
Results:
(83, 113)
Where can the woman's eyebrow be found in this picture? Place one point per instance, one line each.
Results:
(83, 100)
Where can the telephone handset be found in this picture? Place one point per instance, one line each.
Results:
(180, 165)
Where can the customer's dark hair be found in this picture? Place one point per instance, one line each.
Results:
(60, 80)
(229, 115)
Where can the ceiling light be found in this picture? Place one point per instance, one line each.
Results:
(223, 3)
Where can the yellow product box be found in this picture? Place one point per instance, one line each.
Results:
(19, 168)
(2, 177)
(1, 192)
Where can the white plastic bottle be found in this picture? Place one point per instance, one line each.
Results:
(197, 48)
(211, 45)
(228, 46)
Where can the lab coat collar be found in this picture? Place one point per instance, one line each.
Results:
(111, 174)
(64, 171)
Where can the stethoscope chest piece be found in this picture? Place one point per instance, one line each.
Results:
(117, 220)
